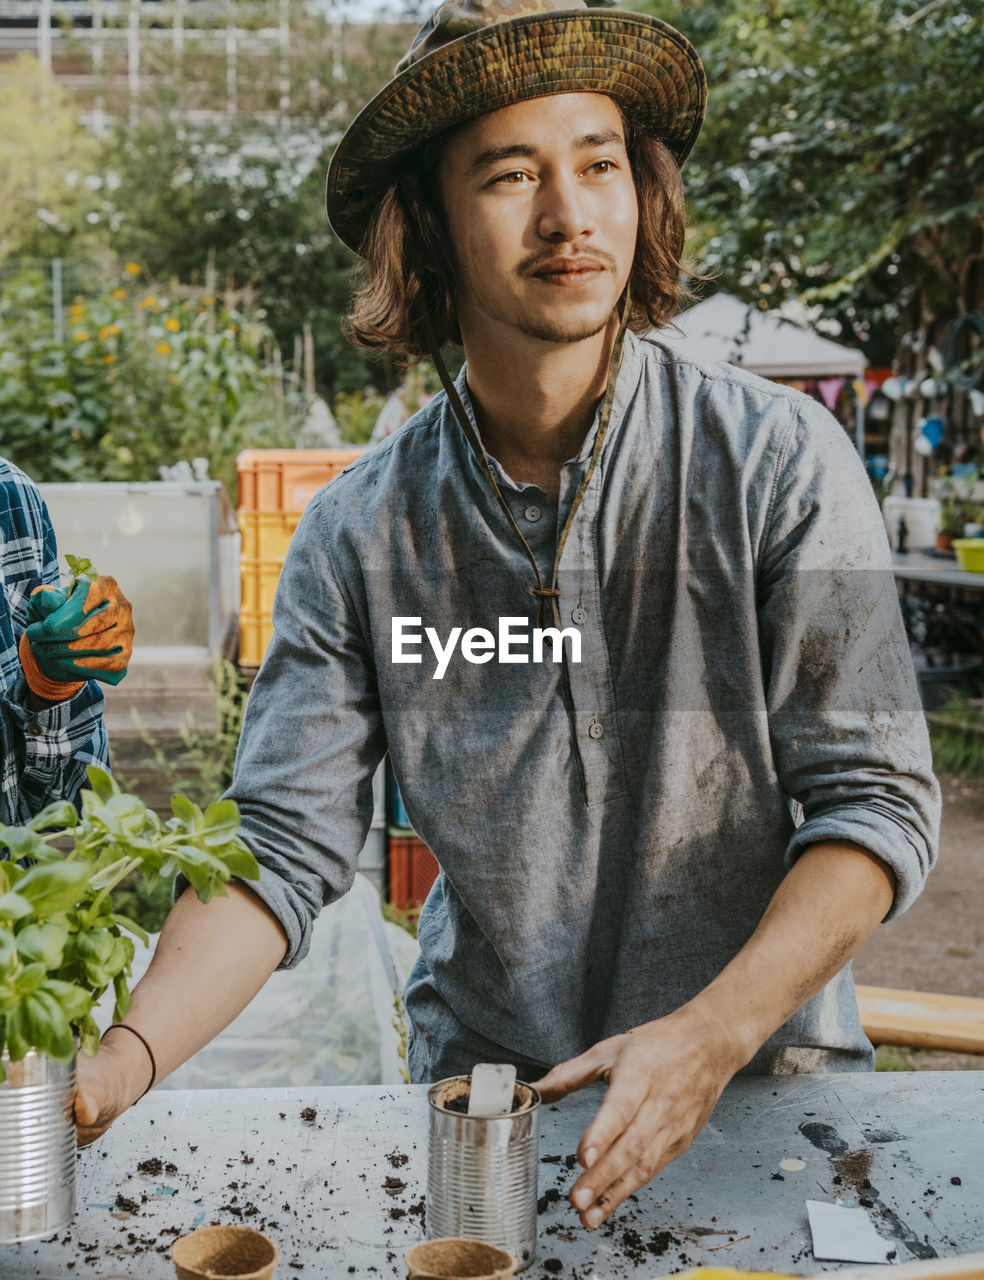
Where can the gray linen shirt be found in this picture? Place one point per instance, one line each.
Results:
(610, 831)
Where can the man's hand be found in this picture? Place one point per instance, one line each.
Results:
(85, 635)
(664, 1079)
(105, 1085)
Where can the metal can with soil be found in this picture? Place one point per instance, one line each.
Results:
(37, 1147)
(482, 1171)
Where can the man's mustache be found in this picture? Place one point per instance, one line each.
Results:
(579, 260)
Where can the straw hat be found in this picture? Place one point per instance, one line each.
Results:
(475, 56)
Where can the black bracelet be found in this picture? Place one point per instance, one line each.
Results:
(123, 1026)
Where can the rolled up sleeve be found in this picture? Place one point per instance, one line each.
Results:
(848, 731)
(312, 736)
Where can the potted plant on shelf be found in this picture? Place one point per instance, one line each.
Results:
(960, 505)
(62, 945)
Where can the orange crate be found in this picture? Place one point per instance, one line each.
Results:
(287, 479)
(412, 871)
(258, 585)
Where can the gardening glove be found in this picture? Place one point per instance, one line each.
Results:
(86, 634)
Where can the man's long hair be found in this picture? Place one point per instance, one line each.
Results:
(405, 299)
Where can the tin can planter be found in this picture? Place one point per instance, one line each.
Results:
(37, 1148)
(482, 1171)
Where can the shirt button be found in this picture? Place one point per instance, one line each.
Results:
(596, 730)
(34, 730)
(579, 615)
(532, 513)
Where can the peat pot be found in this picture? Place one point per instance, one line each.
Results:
(482, 1170)
(37, 1148)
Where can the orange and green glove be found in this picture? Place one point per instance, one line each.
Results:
(71, 637)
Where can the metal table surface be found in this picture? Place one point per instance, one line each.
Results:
(917, 566)
(911, 1144)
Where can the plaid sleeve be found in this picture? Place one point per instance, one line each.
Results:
(45, 753)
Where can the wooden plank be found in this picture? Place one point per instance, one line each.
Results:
(922, 1019)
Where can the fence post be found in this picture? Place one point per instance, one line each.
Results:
(56, 299)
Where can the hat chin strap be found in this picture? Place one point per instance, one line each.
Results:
(551, 592)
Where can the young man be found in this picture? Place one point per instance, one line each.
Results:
(665, 828)
(53, 649)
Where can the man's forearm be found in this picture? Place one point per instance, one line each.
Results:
(211, 960)
(830, 902)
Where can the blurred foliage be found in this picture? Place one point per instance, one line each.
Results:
(201, 767)
(46, 158)
(842, 158)
(139, 378)
(841, 161)
(957, 734)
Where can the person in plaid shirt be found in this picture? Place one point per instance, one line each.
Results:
(54, 646)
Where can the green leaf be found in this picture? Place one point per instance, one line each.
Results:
(42, 944)
(131, 926)
(189, 813)
(39, 1022)
(54, 887)
(239, 860)
(74, 1001)
(56, 816)
(88, 1034)
(23, 843)
(221, 821)
(13, 907)
(29, 979)
(96, 952)
(101, 783)
(122, 1005)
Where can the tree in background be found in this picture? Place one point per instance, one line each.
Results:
(843, 155)
(46, 161)
(199, 177)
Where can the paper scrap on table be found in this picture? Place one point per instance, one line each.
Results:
(841, 1234)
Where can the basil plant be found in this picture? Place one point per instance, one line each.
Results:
(61, 942)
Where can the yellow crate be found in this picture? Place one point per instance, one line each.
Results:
(255, 633)
(258, 585)
(267, 534)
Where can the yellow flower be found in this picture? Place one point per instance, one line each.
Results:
(172, 324)
(76, 311)
(108, 331)
(81, 335)
(208, 300)
(163, 348)
(124, 454)
(132, 269)
(110, 359)
(119, 294)
(148, 304)
(174, 380)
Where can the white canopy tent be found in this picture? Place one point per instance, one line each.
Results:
(722, 328)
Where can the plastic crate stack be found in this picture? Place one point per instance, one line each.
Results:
(275, 485)
(412, 866)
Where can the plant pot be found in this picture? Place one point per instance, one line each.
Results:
(458, 1259)
(944, 541)
(37, 1148)
(221, 1252)
(482, 1171)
